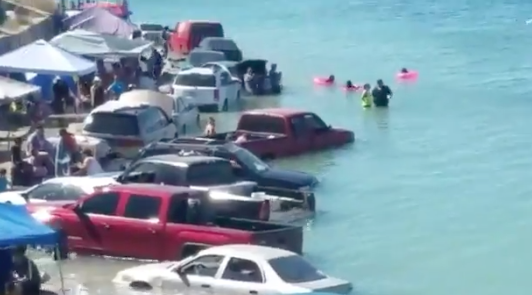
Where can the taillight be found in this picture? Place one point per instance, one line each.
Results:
(264, 213)
(216, 95)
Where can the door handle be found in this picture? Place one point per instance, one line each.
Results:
(205, 286)
(106, 226)
(253, 292)
(151, 230)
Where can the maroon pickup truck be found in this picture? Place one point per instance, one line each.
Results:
(276, 133)
(159, 222)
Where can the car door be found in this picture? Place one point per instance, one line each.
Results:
(303, 139)
(141, 227)
(90, 229)
(321, 135)
(198, 274)
(242, 276)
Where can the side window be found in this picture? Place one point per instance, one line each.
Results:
(142, 207)
(167, 174)
(299, 126)
(101, 204)
(153, 119)
(224, 78)
(204, 266)
(45, 191)
(314, 122)
(243, 270)
(142, 173)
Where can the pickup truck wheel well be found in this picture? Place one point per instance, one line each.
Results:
(268, 157)
(191, 249)
(140, 285)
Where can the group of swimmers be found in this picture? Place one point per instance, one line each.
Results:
(379, 97)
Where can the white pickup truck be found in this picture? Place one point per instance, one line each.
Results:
(213, 90)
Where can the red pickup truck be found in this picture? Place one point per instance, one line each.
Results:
(276, 133)
(157, 222)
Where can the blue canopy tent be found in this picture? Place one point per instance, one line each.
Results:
(41, 57)
(19, 228)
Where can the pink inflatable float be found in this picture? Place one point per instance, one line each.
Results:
(407, 75)
(324, 81)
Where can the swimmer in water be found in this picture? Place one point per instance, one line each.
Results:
(330, 79)
(349, 84)
(404, 71)
(367, 98)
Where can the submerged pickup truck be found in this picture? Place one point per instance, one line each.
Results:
(158, 222)
(216, 175)
(276, 133)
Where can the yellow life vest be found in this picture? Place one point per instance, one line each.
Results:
(367, 100)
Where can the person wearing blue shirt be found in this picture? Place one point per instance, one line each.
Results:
(116, 88)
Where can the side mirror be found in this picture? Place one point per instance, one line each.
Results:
(77, 208)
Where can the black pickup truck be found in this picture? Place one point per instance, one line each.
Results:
(244, 199)
(246, 165)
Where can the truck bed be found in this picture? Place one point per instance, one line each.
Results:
(251, 136)
(267, 233)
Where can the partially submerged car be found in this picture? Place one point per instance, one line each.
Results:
(198, 56)
(183, 110)
(235, 269)
(153, 221)
(225, 45)
(128, 126)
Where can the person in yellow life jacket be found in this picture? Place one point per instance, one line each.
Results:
(367, 98)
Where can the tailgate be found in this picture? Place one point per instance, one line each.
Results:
(288, 238)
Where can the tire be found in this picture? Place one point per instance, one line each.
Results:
(140, 285)
(225, 107)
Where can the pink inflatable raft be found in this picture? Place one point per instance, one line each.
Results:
(407, 75)
(323, 81)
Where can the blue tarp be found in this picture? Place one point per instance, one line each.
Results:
(46, 81)
(18, 227)
(41, 57)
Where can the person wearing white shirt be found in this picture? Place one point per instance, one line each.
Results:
(90, 165)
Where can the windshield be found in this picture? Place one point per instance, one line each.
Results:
(295, 269)
(112, 123)
(248, 159)
(195, 80)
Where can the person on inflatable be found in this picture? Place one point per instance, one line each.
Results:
(367, 98)
(404, 71)
(349, 85)
(330, 79)
(381, 94)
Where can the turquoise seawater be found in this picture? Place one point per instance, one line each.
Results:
(435, 196)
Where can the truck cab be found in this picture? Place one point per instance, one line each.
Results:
(189, 34)
(277, 133)
(158, 222)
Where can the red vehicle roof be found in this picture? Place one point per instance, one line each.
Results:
(152, 188)
(282, 112)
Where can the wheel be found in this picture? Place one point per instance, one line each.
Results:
(184, 129)
(225, 107)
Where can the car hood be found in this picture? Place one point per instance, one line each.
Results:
(288, 179)
(13, 197)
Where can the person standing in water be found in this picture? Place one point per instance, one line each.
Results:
(381, 94)
(367, 98)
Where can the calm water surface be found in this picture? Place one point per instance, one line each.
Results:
(434, 197)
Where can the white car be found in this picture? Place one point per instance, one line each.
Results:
(56, 189)
(128, 126)
(236, 269)
(183, 110)
(213, 90)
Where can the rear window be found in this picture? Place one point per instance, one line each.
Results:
(112, 123)
(151, 27)
(295, 269)
(195, 80)
(258, 123)
(207, 29)
(212, 173)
